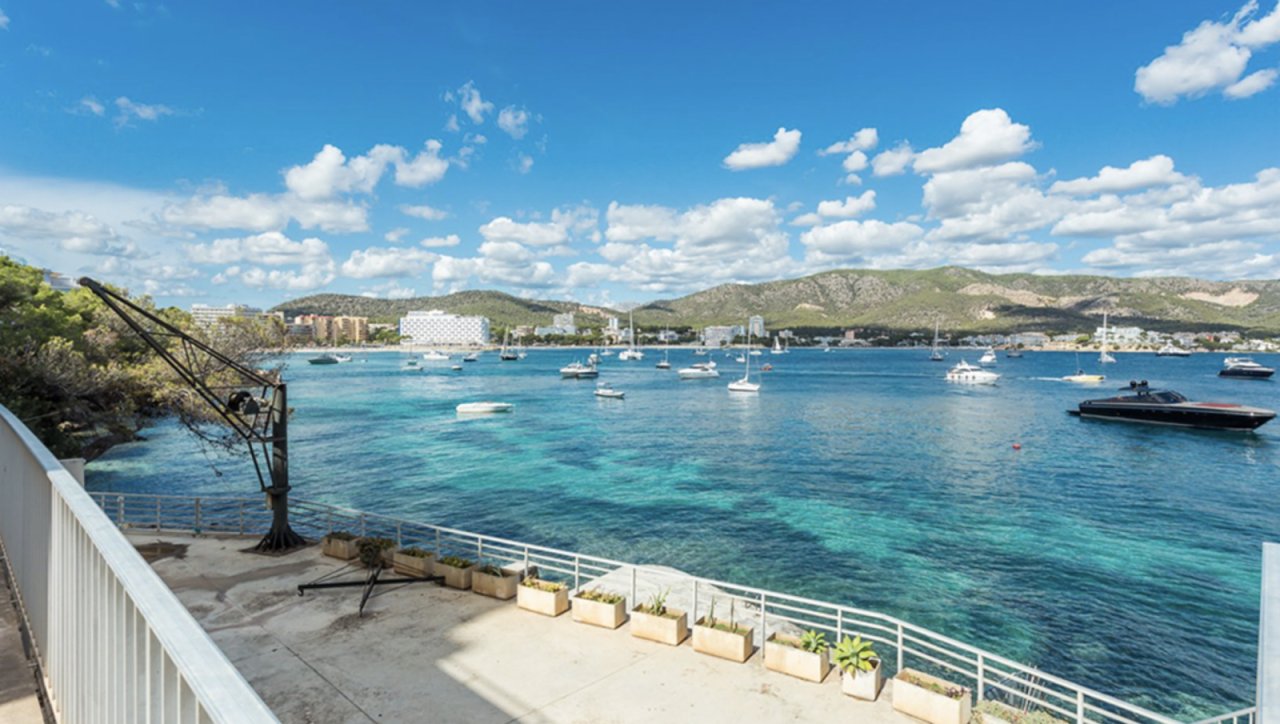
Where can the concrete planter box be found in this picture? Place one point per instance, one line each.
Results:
(343, 550)
(924, 703)
(863, 684)
(599, 613)
(734, 646)
(420, 567)
(455, 577)
(547, 603)
(671, 629)
(501, 587)
(995, 712)
(781, 654)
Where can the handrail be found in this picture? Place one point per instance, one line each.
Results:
(1243, 716)
(111, 640)
(989, 673)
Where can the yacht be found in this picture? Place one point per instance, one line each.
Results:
(342, 357)
(988, 357)
(1172, 350)
(435, 355)
(507, 354)
(971, 374)
(1104, 357)
(604, 390)
(665, 363)
(1166, 407)
(471, 357)
(1080, 377)
(745, 384)
(698, 371)
(456, 367)
(483, 408)
(324, 359)
(1244, 367)
(579, 371)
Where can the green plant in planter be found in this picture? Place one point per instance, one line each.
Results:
(601, 595)
(456, 562)
(491, 570)
(657, 603)
(731, 626)
(371, 550)
(998, 710)
(541, 585)
(341, 535)
(951, 692)
(854, 655)
(415, 552)
(813, 642)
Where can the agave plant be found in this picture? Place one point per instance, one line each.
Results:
(813, 641)
(854, 655)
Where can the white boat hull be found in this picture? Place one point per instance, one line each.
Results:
(744, 386)
(694, 373)
(484, 408)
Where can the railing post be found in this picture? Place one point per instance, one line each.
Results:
(900, 641)
(364, 528)
(328, 521)
(399, 535)
(479, 549)
(525, 573)
(120, 511)
(764, 633)
(197, 518)
(157, 512)
(693, 614)
(634, 602)
(1079, 706)
(242, 517)
(839, 625)
(577, 581)
(438, 544)
(982, 677)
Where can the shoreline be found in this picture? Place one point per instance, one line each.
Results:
(463, 349)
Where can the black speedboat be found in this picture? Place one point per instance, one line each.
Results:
(1244, 367)
(1166, 407)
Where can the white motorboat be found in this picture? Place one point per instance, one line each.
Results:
(456, 368)
(1082, 378)
(971, 374)
(698, 371)
(1104, 357)
(472, 357)
(988, 357)
(435, 355)
(342, 357)
(606, 353)
(1172, 350)
(1244, 367)
(484, 408)
(579, 371)
(604, 390)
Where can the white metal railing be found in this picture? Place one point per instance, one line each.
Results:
(900, 643)
(112, 642)
(1244, 716)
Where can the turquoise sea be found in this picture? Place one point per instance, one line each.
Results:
(1121, 556)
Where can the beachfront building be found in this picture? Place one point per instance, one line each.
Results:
(755, 326)
(720, 336)
(565, 323)
(1030, 339)
(204, 315)
(1120, 335)
(439, 327)
(352, 329)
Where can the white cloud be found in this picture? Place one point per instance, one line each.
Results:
(503, 228)
(986, 137)
(376, 262)
(72, 231)
(128, 111)
(992, 203)
(271, 248)
(4, 21)
(330, 173)
(303, 280)
(425, 168)
(782, 149)
(635, 222)
(472, 104)
(515, 121)
(265, 212)
(434, 242)
(864, 140)
(1154, 171)
(850, 207)
(524, 163)
(90, 105)
(854, 240)
(893, 161)
(1212, 56)
(396, 235)
(424, 212)
(452, 124)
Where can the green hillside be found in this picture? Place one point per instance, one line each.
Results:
(960, 300)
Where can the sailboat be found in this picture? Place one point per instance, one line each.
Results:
(1081, 377)
(1104, 357)
(665, 364)
(745, 384)
(935, 355)
(507, 354)
(631, 352)
(777, 346)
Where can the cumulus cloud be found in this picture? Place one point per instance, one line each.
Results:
(858, 240)
(72, 231)
(301, 280)
(264, 212)
(1154, 171)
(382, 262)
(524, 163)
(864, 140)
(533, 233)
(515, 121)
(894, 161)
(850, 207)
(90, 105)
(1213, 56)
(315, 267)
(423, 211)
(471, 103)
(986, 137)
(434, 242)
(128, 111)
(777, 152)
(396, 235)
(330, 172)
(4, 21)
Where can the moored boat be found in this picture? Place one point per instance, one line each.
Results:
(1172, 350)
(484, 408)
(1244, 367)
(698, 371)
(1166, 407)
(324, 359)
(971, 374)
(604, 390)
(579, 371)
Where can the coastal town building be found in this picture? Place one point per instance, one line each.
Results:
(439, 327)
(721, 335)
(755, 326)
(204, 315)
(565, 322)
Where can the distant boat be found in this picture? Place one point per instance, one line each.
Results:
(507, 354)
(777, 346)
(988, 357)
(1104, 357)
(435, 355)
(604, 390)
(579, 371)
(700, 352)
(971, 374)
(698, 371)
(745, 384)
(665, 364)
(324, 359)
(342, 357)
(631, 353)
(1244, 367)
(1166, 407)
(471, 357)
(456, 368)
(1172, 350)
(936, 355)
(484, 408)
(1013, 353)
(1080, 377)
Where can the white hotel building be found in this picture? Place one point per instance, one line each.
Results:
(437, 327)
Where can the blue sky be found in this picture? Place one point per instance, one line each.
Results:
(621, 152)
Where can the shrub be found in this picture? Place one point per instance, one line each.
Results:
(597, 594)
(854, 654)
(456, 562)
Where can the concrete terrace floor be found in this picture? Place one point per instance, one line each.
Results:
(427, 653)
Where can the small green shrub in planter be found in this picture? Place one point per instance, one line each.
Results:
(457, 571)
(860, 672)
(494, 581)
(718, 637)
(375, 552)
(804, 657)
(413, 561)
(994, 712)
(339, 544)
(545, 597)
(654, 621)
(598, 607)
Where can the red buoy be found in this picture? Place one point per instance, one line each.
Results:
(1017, 446)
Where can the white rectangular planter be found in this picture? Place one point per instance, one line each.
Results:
(671, 629)
(419, 566)
(547, 603)
(863, 684)
(734, 646)
(923, 703)
(455, 577)
(501, 587)
(599, 613)
(343, 550)
(780, 654)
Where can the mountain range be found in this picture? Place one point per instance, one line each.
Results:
(957, 299)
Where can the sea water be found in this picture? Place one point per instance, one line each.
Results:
(1120, 556)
